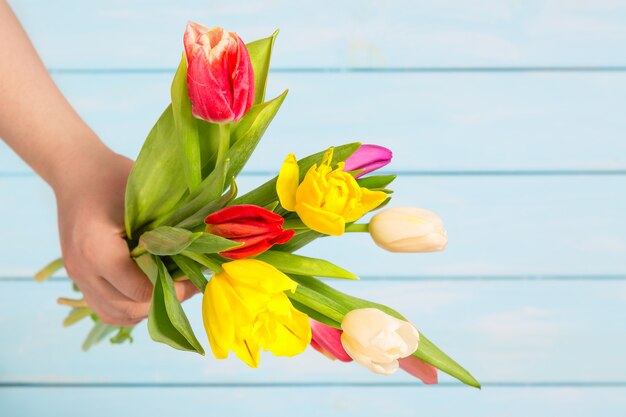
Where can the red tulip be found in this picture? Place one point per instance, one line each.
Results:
(368, 158)
(256, 227)
(220, 78)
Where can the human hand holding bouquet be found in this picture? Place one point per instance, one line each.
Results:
(185, 223)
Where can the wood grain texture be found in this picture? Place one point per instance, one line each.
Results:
(529, 225)
(433, 122)
(325, 401)
(506, 118)
(325, 33)
(504, 332)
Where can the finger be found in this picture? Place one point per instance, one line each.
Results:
(110, 305)
(117, 267)
(185, 290)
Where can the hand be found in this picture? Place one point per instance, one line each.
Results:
(90, 204)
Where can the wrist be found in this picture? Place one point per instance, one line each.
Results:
(82, 160)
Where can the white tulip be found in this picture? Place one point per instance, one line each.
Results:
(408, 229)
(376, 340)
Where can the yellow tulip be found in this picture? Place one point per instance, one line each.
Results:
(327, 198)
(245, 309)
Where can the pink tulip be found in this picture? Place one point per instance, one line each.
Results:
(419, 369)
(368, 158)
(220, 78)
(327, 341)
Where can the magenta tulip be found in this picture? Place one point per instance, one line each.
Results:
(368, 158)
(327, 340)
(220, 78)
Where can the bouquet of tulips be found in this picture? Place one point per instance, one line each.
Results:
(185, 221)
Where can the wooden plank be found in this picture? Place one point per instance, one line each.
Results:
(529, 225)
(327, 401)
(504, 332)
(330, 34)
(433, 122)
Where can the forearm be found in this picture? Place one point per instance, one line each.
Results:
(36, 121)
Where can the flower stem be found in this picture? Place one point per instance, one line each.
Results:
(48, 270)
(358, 228)
(72, 303)
(212, 264)
(223, 143)
(138, 251)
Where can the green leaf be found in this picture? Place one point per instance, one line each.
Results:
(197, 219)
(208, 243)
(426, 351)
(315, 315)
(333, 311)
(298, 241)
(271, 206)
(192, 270)
(376, 182)
(266, 193)
(431, 354)
(167, 321)
(148, 266)
(247, 133)
(98, 332)
(207, 192)
(166, 240)
(260, 55)
(76, 315)
(123, 334)
(303, 265)
(294, 224)
(186, 126)
(155, 185)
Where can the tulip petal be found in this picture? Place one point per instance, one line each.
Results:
(242, 80)
(217, 316)
(329, 339)
(293, 335)
(193, 33)
(368, 158)
(205, 93)
(368, 202)
(242, 212)
(365, 359)
(320, 220)
(419, 369)
(248, 351)
(252, 272)
(251, 247)
(287, 183)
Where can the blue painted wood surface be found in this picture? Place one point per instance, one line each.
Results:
(506, 118)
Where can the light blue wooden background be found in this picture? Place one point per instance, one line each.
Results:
(507, 118)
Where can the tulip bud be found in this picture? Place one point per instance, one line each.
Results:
(376, 340)
(408, 229)
(327, 341)
(256, 227)
(220, 78)
(367, 158)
